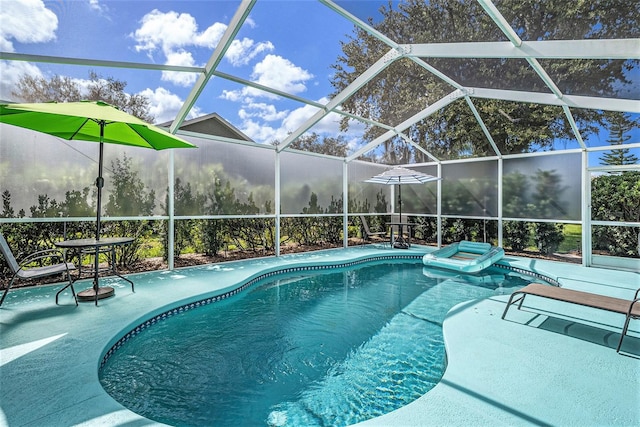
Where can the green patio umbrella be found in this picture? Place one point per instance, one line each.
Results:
(93, 121)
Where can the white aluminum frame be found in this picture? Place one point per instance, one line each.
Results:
(515, 48)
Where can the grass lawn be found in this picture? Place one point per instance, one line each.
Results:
(572, 238)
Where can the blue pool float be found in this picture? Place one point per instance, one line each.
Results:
(464, 256)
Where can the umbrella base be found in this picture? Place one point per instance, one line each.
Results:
(401, 245)
(90, 294)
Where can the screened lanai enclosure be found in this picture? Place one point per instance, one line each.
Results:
(529, 111)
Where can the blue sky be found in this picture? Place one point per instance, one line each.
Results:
(288, 45)
(275, 47)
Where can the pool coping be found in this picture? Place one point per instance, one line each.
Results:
(61, 347)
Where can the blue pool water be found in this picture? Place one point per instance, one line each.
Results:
(323, 349)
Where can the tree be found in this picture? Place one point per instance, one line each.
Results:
(18, 233)
(220, 200)
(66, 89)
(39, 89)
(76, 203)
(43, 235)
(616, 197)
(128, 196)
(7, 209)
(404, 88)
(306, 227)
(332, 227)
(249, 232)
(546, 203)
(333, 146)
(619, 125)
(186, 202)
(516, 233)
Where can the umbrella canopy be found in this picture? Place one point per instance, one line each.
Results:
(400, 175)
(90, 121)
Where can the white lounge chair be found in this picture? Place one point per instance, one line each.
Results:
(629, 308)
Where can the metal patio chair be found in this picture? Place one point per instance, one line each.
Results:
(366, 232)
(21, 270)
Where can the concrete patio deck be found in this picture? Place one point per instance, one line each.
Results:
(530, 369)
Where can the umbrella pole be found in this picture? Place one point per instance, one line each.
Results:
(99, 184)
(400, 200)
(401, 242)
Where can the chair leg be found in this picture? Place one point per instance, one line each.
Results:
(73, 291)
(70, 284)
(6, 291)
(79, 264)
(513, 300)
(4, 294)
(115, 269)
(624, 331)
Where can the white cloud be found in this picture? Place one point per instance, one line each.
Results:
(83, 85)
(329, 125)
(211, 36)
(231, 95)
(354, 143)
(264, 111)
(280, 73)
(180, 57)
(259, 132)
(170, 34)
(164, 105)
(250, 22)
(246, 95)
(255, 115)
(26, 21)
(11, 72)
(241, 52)
(165, 32)
(98, 6)
(251, 93)
(273, 71)
(298, 117)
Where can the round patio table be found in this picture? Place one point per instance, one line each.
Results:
(95, 247)
(400, 242)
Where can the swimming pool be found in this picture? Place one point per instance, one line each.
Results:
(330, 348)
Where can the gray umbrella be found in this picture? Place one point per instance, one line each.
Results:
(400, 175)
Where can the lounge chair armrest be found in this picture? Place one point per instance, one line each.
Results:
(635, 300)
(47, 253)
